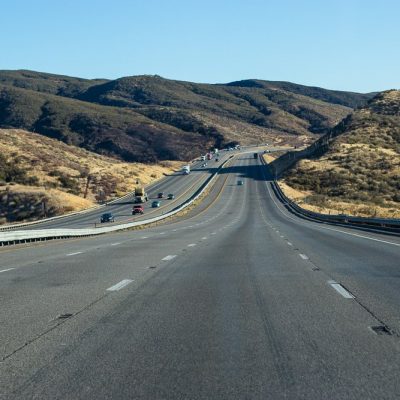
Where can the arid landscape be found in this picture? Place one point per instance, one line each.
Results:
(36, 170)
(359, 174)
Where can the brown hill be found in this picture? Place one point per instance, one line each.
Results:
(148, 118)
(359, 172)
(34, 168)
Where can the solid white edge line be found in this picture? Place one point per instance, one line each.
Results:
(5, 270)
(74, 254)
(325, 227)
(341, 290)
(120, 285)
(169, 257)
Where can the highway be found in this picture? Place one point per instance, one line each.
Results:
(182, 186)
(237, 299)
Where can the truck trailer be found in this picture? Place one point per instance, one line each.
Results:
(140, 195)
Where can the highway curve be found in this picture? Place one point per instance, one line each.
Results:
(238, 299)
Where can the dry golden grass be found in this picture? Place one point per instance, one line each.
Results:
(250, 134)
(56, 198)
(269, 157)
(359, 174)
(333, 206)
(46, 159)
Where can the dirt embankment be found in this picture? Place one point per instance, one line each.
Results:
(40, 176)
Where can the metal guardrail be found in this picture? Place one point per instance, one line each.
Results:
(15, 237)
(381, 224)
(71, 214)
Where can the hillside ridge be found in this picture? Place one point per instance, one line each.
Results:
(148, 118)
(355, 169)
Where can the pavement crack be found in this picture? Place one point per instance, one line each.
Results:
(54, 327)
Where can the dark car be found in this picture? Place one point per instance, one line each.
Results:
(240, 183)
(170, 196)
(137, 210)
(160, 195)
(156, 204)
(107, 217)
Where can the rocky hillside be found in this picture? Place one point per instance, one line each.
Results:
(35, 170)
(359, 171)
(148, 118)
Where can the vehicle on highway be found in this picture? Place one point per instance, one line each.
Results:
(140, 195)
(170, 196)
(186, 169)
(202, 158)
(107, 217)
(160, 195)
(138, 209)
(240, 183)
(255, 155)
(217, 159)
(156, 203)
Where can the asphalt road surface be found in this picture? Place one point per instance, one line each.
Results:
(238, 299)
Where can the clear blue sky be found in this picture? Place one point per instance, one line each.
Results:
(337, 44)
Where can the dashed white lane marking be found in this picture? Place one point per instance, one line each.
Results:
(341, 290)
(143, 237)
(74, 254)
(204, 238)
(170, 257)
(281, 236)
(289, 244)
(5, 270)
(191, 245)
(214, 233)
(120, 285)
(162, 233)
(331, 229)
(115, 244)
(303, 256)
(174, 230)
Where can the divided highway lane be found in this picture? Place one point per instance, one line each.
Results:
(41, 282)
(182, 186)
(217, 306)
(366, 263)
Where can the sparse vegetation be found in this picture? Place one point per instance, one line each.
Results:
(41, 176)
(148, 118)
(361, 167)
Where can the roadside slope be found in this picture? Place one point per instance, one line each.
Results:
(149, 118)
(36, 169)
(359, 172)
